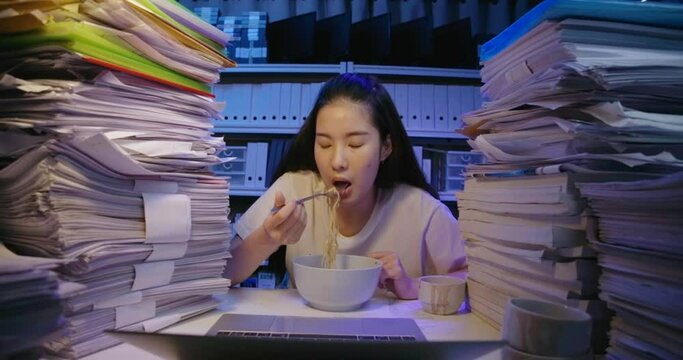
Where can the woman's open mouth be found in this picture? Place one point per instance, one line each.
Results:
(342, 187)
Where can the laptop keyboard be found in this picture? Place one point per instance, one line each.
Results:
(317, 337)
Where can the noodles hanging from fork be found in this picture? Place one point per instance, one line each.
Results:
(330, 253)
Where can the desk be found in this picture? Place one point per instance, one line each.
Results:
(461, 326)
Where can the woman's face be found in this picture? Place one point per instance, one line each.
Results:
(348, 150)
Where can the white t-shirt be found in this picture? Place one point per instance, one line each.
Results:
(406, 220)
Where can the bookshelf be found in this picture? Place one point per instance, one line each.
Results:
(268, 101)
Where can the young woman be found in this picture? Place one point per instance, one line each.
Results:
(353, 140)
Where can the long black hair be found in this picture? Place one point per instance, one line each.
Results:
(400, 167)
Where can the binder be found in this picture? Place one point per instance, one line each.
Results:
(477, 98)
(371, 40)
(272, 105)
(275, 150)
(467, 98)
(291, 40)
(225, 94)
(305, 103)
(441, 107)
(218, 91)
(283, 120)
(414, 105)
(411, 42)
(295, 113)
(259, 106)
(454, 108)
(427, 107)
(401, 101)
(315, 90)
(242, 103)
(389, 87)
(332, 39)
(261, 165)
(252, 160)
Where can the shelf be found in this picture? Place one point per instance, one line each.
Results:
(413, 71)
(270, 130)
(254, 130)
(435, 134)
(332, 69)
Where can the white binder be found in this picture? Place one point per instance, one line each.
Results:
(284, 117)
(261, 165)
(389, 87)
(259, 98)
(414, 105)
(427, 107)
(441, 107)
(467, 98)
(252, 160)
(315, 89)
(218, 90)
(295, 113)
(477, 98)
(454, 108)
(272, 104)
(233, 96)
(401, 101)
(305, 103)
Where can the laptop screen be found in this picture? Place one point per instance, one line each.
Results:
(175, 346)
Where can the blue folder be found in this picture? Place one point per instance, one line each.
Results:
(627, 11)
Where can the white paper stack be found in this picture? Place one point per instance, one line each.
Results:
(106, 148)
(642, 264)
(526, 237)
(30, 304)
(573, 94)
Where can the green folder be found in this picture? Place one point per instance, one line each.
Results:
(149, 5)
(98, 47)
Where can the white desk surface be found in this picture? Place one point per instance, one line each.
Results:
(460, 326)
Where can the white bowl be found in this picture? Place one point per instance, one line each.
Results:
(344, 288)
(546, 329)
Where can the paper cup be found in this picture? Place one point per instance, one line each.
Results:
(441, 294)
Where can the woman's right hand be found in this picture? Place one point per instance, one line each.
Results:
(285, 226)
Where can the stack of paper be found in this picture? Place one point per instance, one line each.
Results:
(156, 39)
(642, 263)
(573, 94)
(106, 152)
(30, 299)
(526, 237)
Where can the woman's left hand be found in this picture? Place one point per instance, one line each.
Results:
(394, 277)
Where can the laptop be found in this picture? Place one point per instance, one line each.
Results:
(240, 336)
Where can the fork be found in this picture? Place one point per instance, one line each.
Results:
(306, 198)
